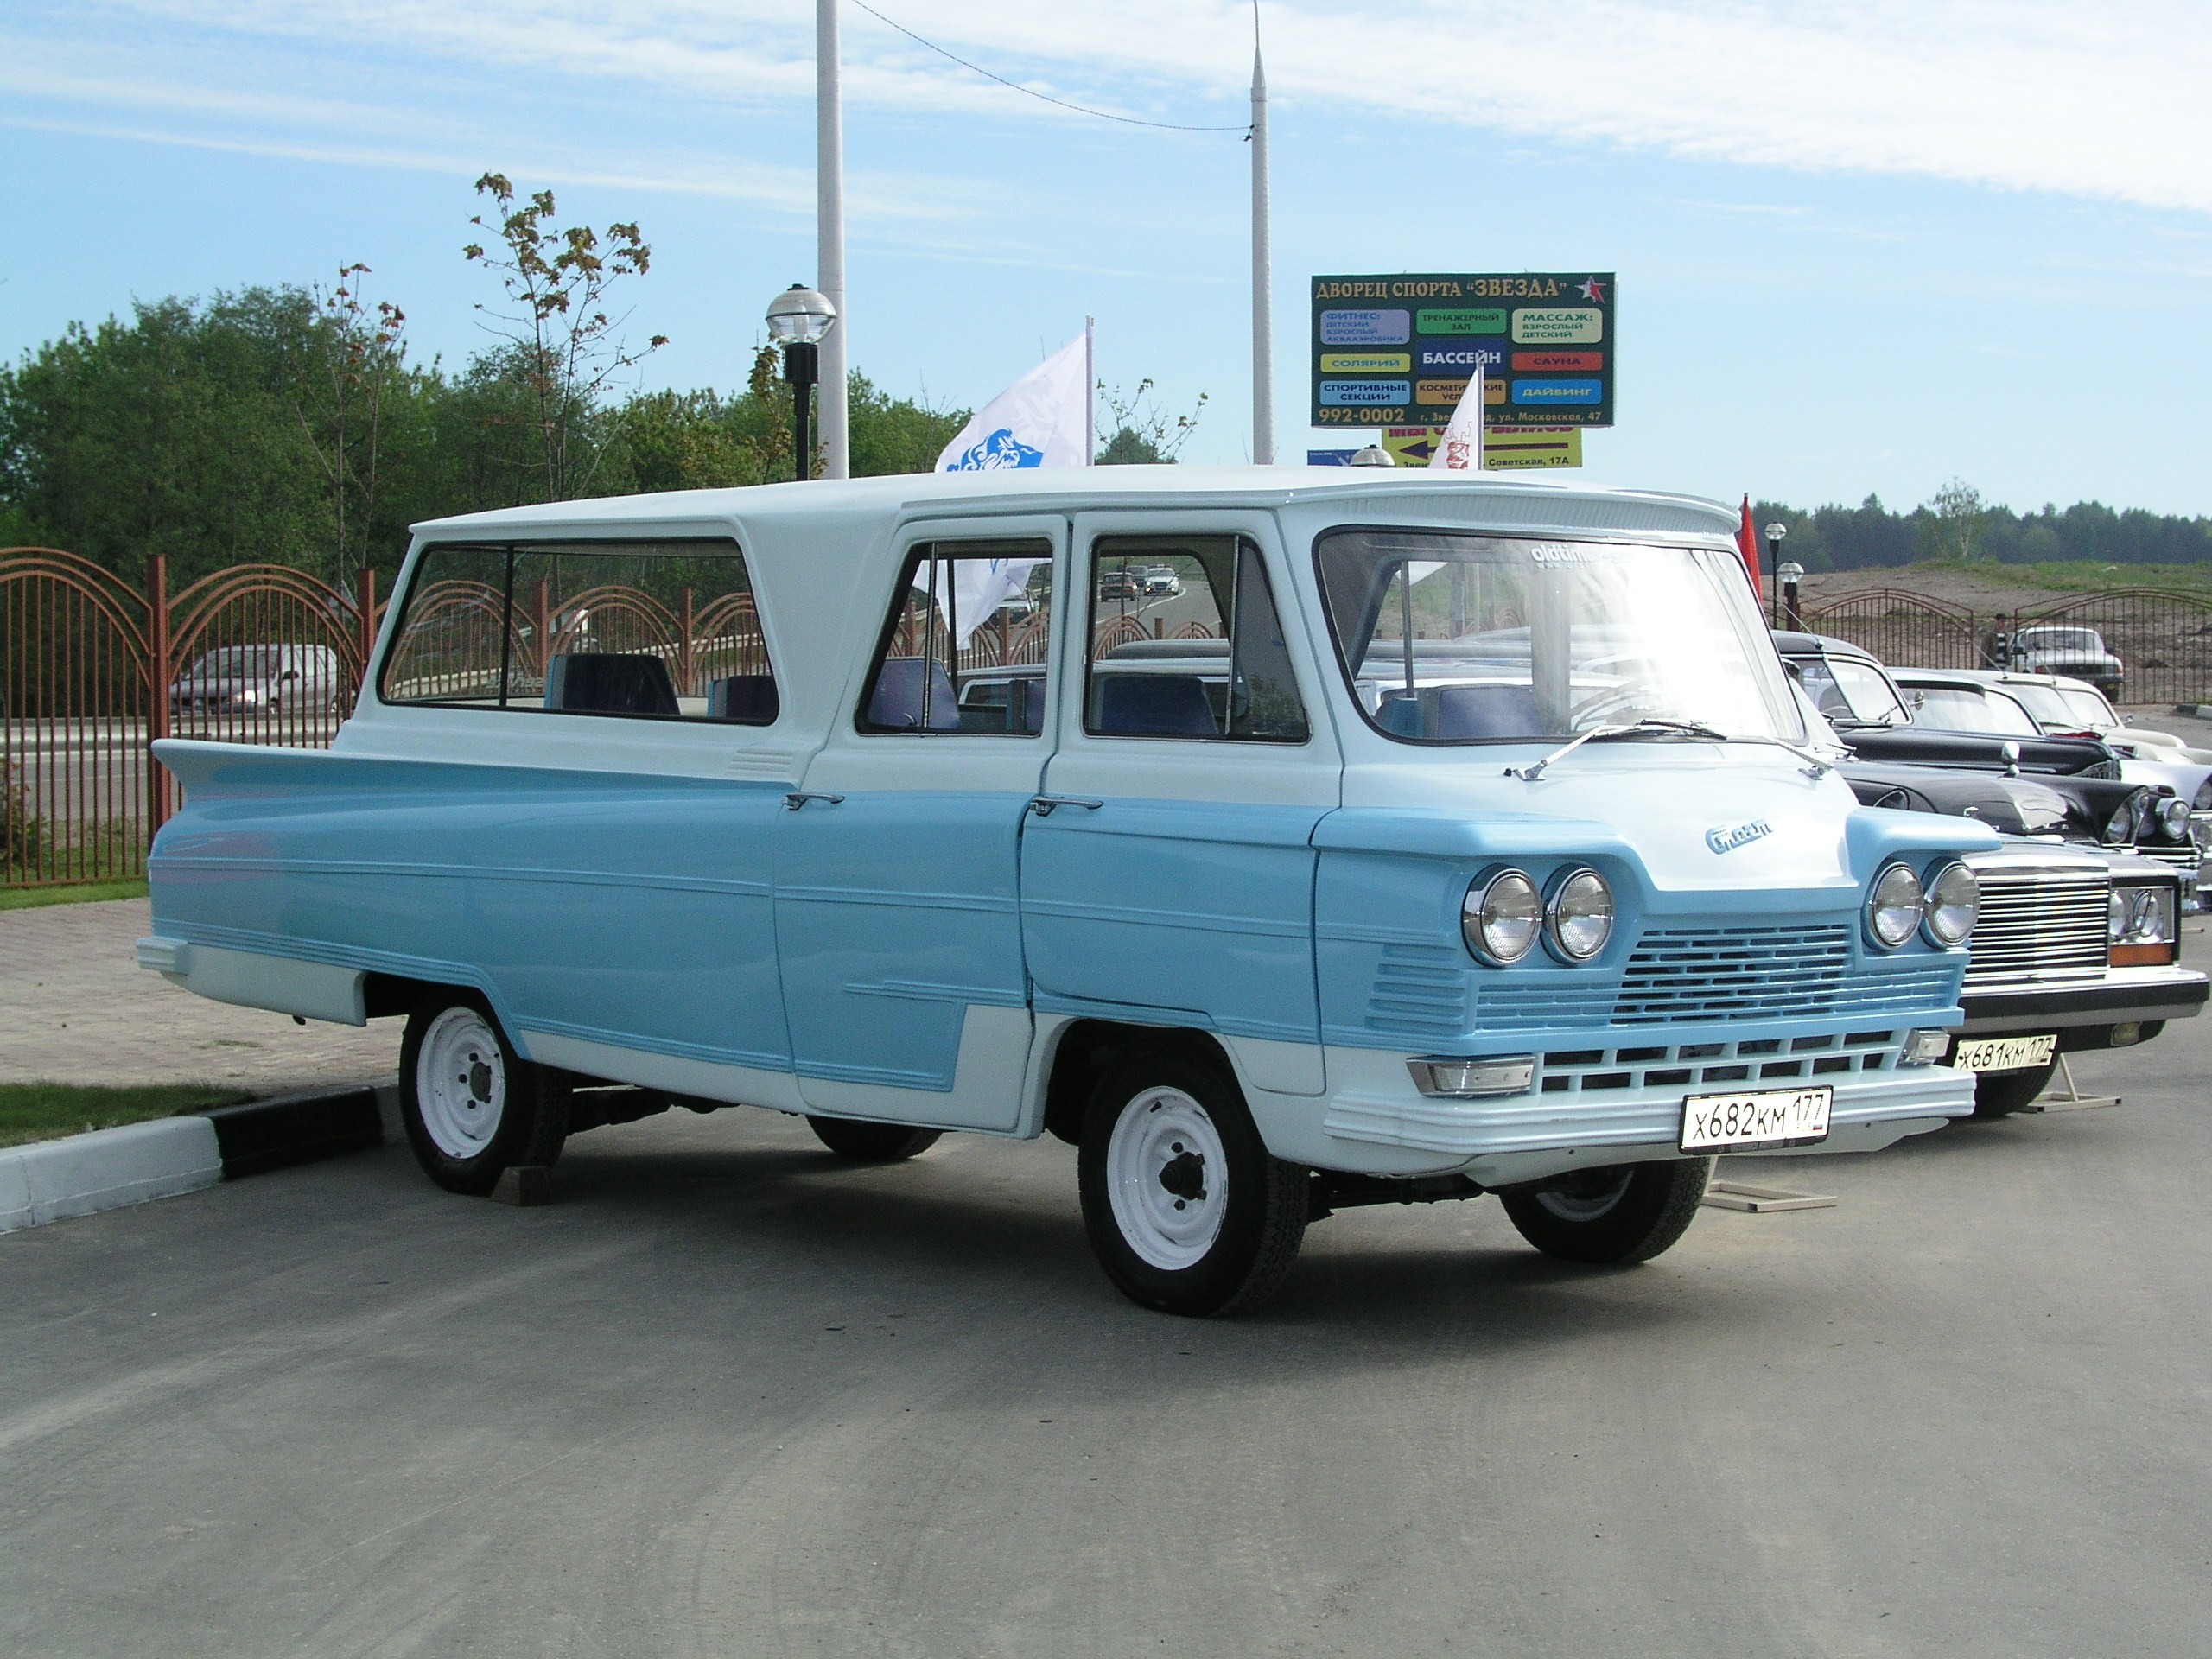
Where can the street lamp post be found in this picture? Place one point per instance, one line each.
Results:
(1789, 573)
(798, 319)
(1775, 532)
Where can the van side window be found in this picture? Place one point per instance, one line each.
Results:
(643, 630)
(1186, 642)
(968, 644)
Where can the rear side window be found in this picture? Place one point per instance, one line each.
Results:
(1186, 642)
(967, 647)
(638, 630)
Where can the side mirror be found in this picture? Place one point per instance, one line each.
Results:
(2009, 751)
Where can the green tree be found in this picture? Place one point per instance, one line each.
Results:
(1144, 435)
(353, 370)
(559, 344)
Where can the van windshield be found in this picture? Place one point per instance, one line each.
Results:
(1466, 639)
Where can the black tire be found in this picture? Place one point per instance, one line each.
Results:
(1254, 1204)
(526, 1106)
(1620, 1213)
(871, 1143)
(2000, 1093)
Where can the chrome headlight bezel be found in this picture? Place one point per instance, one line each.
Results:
(2144, 913)
(1949, 935)
(1895, 893)
(2125, 823)
(2172, 814)
(1573, 888)
(1502, 895)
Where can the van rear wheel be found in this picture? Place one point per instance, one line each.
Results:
(871, 1143)
(472, 1106)
(1626, 1212)
(1187, 1210)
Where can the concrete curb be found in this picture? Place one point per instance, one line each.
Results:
(107, 1169)
(2195, 710)
(49, 1180)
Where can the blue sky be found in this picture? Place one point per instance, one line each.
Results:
(1861, 250)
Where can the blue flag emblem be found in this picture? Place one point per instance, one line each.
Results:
(999, 451)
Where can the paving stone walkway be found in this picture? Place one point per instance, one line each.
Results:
(76, 1007)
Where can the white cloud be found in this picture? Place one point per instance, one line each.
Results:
(2050, 95)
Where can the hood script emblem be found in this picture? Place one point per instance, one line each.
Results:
(1727, 840)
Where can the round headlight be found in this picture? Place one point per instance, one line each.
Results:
(1953, 897)
(1501, 917)
(2120, 826)
(1893, 908)
(1580, 919)
(2173, 818)
(2203, 802)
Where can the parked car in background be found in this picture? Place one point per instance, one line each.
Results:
(254, 679)
(1380, 887)
(2061, 648)
(1975, 703)
(2070, 708)
(2078, 947)
(2023, 785)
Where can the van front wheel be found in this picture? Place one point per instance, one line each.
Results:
(1627, 1212)
(1186, 1209)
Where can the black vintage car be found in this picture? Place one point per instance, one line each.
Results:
(2022, 774)
(2078, 943)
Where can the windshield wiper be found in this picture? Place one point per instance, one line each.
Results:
(1529, 774)
(1816, 765)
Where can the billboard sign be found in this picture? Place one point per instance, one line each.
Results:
(1400, 351)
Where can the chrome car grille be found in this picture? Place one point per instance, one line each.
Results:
(2039, 923)
(2184, 859)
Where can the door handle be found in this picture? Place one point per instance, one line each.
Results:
(1042, 805)
(798, 799)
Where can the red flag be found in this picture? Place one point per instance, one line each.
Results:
(1747, 544)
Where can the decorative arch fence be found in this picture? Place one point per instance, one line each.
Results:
(2162, 640)
(93, 670)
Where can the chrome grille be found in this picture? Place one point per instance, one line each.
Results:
(2184, 858)
(2039, 923)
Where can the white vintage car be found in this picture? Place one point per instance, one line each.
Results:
(1423, 838)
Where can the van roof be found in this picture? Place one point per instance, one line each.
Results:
(1516, 502)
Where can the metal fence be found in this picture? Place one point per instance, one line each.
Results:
(2162, 640)
(93, 670)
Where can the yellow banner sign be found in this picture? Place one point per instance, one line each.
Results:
(1525, 447)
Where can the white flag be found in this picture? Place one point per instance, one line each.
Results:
(1041, 420)
(1460, 448)
(980, 587)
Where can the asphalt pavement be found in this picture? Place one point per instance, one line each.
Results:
(727, 1396)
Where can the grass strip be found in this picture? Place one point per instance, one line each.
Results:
(46, 1111)
(85, 893)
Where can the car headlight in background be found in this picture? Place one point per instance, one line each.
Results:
(2172, 814)
(2203, 803)
(2145, 925)
(2121, 827)
(1893, 907)
(1502, 917)
(1954, 897)
(1579, 919)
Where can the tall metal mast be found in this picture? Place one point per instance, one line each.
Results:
(1263, 370)
(830, 233)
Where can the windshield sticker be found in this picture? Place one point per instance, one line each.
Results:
(1727, 840)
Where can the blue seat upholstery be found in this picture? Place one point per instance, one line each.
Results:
(749, 699)
(1400, 715)
(1153, 705)
(609, 683)
(897, 704)
(1488, 711)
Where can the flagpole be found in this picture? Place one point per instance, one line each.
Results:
(1089, 393)
(830, 240)
(1263, 371)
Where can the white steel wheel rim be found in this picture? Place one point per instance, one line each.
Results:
(460, 1083)
(1167, 1177)
(1587, 1196)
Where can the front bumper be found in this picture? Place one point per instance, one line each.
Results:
(2119, 996)
(1372, 1105)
